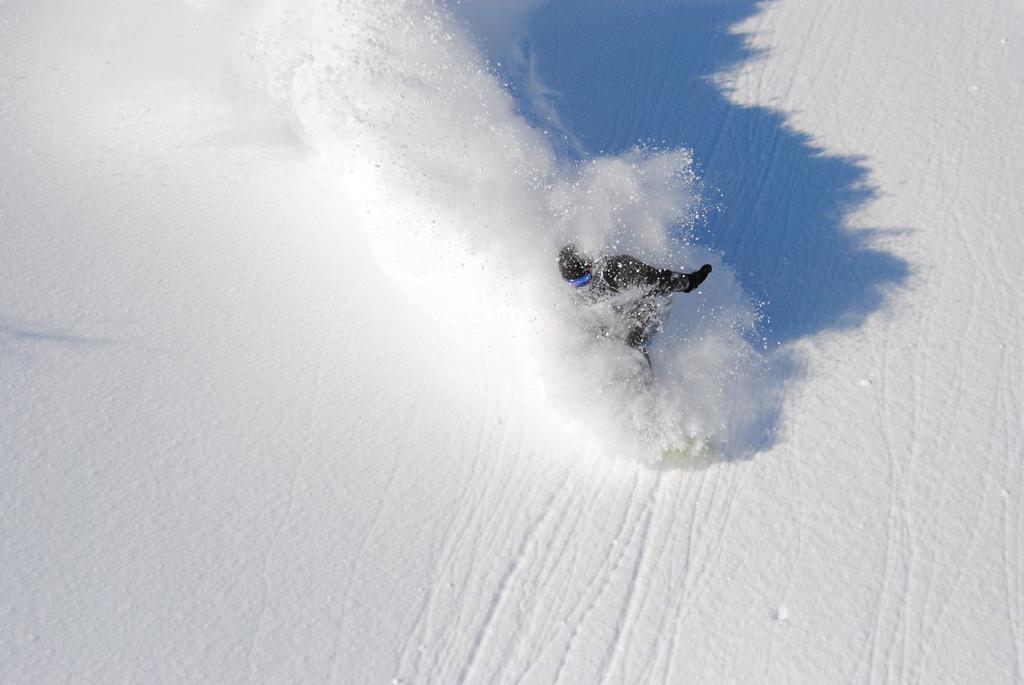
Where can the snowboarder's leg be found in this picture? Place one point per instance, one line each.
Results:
(644, 320)
(637, 339)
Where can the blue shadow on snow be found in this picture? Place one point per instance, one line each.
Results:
(627, 73)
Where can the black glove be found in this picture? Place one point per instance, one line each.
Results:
(684, 283)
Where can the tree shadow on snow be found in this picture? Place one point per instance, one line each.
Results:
(603, 77)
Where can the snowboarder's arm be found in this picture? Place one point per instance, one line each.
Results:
(624, 271)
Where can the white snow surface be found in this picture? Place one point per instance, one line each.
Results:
(294, 393)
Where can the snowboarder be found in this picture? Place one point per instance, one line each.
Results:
(600, 279)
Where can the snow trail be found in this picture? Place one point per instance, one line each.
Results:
(468, 205)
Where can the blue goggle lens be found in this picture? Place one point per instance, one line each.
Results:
(581, 281)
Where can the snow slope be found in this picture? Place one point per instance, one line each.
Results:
(294, 395)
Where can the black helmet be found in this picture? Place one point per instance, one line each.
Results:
(573, 264)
